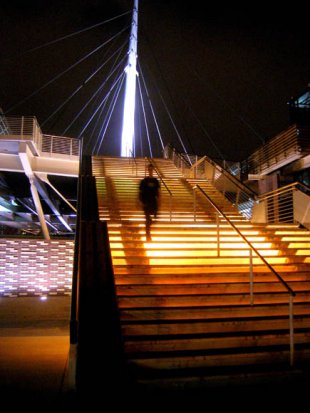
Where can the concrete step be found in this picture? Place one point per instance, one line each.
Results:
(192, 328)
(207, 344)
(181, 314)
(203, 300)
(217, 362)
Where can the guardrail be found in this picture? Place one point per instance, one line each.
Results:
(288, 204)
(60, 145)
(278, 151)
(21, 128)
(254, 250)
(26, 128)
(235, 191)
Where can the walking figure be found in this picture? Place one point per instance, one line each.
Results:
(149, 197)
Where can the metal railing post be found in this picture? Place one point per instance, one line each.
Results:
(194, 203)
(291, 323)
(218, 234)
(251, 278)
(257, 253)
(22, 127)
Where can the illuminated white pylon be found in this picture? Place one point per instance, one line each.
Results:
(130, 88)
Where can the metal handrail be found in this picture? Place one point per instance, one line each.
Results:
(27, 129)
(164, 184)
(283, 189)
(290, 291)
(133, 158)
(228, 175)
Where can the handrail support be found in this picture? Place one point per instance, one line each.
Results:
(291, 327)
(251, 278)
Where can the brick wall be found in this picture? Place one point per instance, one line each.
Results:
(33, 267)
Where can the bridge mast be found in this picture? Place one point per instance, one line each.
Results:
(130, 88)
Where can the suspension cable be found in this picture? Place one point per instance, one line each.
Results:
(75, 33)
(99, 106)
(151, 107)
(110, 112)
(82, 85)
(206, 133)
(93, 96)
(145, 121)
(66, 70)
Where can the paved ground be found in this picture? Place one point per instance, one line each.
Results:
(34, 349)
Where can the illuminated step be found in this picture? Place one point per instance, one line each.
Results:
(296, 245)
(181, 226)
(201, 249)
(202, 238)
(194, 269)
(287, 232)
(205, 278)
(160, 230)
(301, 238)
(190, 225)
(171, 261)
(188, 245)
(184, 253)
(208, 289)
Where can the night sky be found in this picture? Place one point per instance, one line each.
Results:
(225, 73)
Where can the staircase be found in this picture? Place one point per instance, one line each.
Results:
(185, 308)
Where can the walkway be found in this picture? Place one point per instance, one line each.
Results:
(34, 349)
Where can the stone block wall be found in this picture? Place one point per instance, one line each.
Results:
(35, 267)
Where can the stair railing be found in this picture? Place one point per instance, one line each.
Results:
(242, 197)
(150, 161)
(134, 163)
(254, 250)
(288, 204)
(282, 149)
(233, 189)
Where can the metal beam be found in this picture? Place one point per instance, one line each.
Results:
(45, 196)
(45, 179)
(23, 155)
(53, 165)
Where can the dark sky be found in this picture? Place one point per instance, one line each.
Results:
(224, 72)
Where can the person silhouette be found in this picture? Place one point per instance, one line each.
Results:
(149, 190)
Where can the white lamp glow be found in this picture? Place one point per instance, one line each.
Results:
(130, 88)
